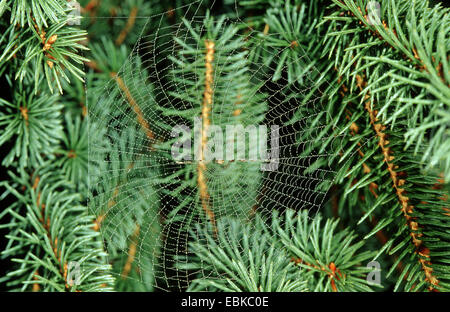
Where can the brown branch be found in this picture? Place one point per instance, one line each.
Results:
(36, 286)
(238, 111)
(439, 185)
(141, 120)
(380, 235)
(130, 23)
(91, 7)
(111, 202)
(46, 43)
(170, 13)
(71, 154)
(407, 208)
(333, 272)
(206, 109)
(24, 113)
(46, 225)
(354, 129)
(93, 65)
(131, 253)
(398, 182)
(139, 114)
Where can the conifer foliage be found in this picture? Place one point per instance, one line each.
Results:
(93, 197)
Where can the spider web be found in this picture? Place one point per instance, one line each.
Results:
(145, 201)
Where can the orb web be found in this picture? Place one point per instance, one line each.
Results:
(150, 205)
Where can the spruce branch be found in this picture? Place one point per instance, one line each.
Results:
(219, 72)
(412, 75)
(49, 230)
(241, 257)
(289, 29)
(37, 47)
(332, 261)
(34, 123)
(73, 154)
(372, 126)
